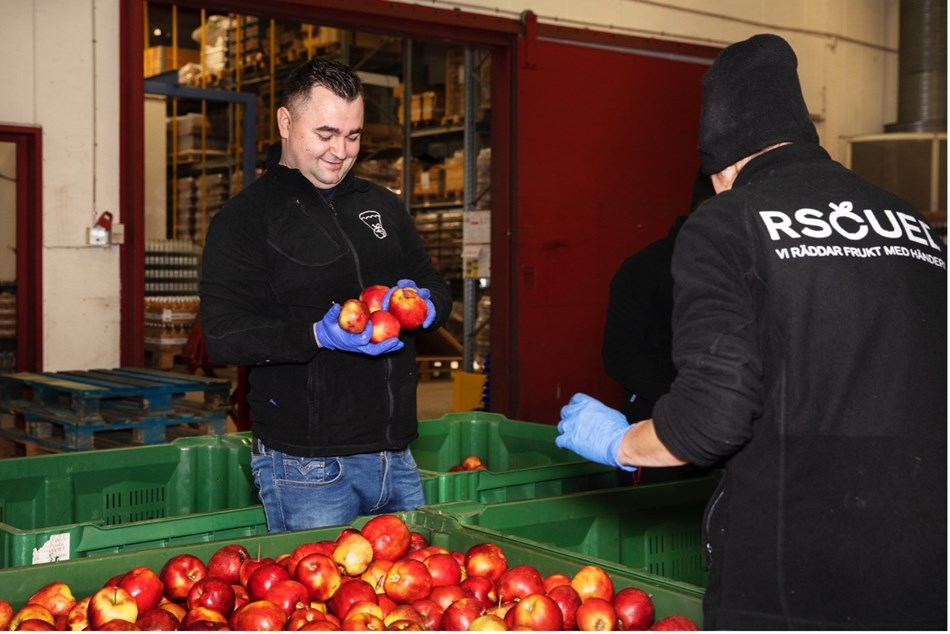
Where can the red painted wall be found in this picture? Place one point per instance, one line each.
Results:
(605, 158)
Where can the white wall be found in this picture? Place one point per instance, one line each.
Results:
(61, 73)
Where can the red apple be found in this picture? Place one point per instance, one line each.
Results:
(388, 535)
(402, 613)
(200, 615)
(35, 625)
(56, 597)
(31, 612)
(319, 626)
(320, 575)
(348, 593)
(118, 625)
(376, 573)
(675, 622)
(568, 600)
(302, 616)
(485, 560)
(519, 582)
(212, 593)
(408, 307)
(259, 615)
(324, 547)
(78, 618)
(373, 296)
(158, 619)
(554, 580)
(408, 580)
(353, 553)
(593, 581)
(596, 615)
(431, 613)
(250, 565)
(177, 610)
(179, 573)
(481, 588)
(403, 625)
(369, 607)
(226, 562)
(385, 326)
(634, 609)
(417, 541)
(289, 594)
(459, 616)
(6, 613)
(537, 611)
(263, 578)
(145, 586)
(446, 595)
(354, 315)
(363, 621)
(107, 604)
(240, 595)
(444, 569)
(488, 622)
(471, 462)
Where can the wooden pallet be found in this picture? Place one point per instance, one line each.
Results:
(72, 410)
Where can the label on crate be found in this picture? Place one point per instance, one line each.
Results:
(56, 548)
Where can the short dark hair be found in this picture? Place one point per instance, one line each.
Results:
(335, 76)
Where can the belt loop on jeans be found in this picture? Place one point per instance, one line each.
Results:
(257, 447)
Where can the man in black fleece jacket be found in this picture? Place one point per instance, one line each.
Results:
(810, 338)
(333, 413)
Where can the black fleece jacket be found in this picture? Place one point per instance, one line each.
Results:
(810, 338)
(277, 256)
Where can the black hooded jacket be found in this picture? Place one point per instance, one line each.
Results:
(277, 257)
(810, 338)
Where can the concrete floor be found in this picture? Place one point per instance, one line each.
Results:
(434, 398)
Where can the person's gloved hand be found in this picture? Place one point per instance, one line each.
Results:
(592, 430)
(332, 337)
(423, 293)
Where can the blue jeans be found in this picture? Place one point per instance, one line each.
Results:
(300, 493)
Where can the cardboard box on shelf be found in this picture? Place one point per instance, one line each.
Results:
(161, 59)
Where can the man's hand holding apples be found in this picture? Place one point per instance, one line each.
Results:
(401, 300)
(331, 336)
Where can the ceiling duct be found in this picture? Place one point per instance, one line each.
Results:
(922, 81)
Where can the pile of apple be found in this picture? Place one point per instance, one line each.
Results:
(382, 577)
(407, 310)
(470, 463)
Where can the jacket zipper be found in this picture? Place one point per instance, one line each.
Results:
(707, 522)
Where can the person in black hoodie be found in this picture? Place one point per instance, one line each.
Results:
(333, 413)
(638, 334)
(810, 339)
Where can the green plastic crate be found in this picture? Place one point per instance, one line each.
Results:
(654, 527)
(521, 458)
(79, 504)
(84, 576)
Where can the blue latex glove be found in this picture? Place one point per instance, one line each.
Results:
(423, 293)
(592, 430)
(332, 337)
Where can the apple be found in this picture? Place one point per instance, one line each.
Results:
(446, 595)
(596, 615)
(385, 603)
(202, 614)
(488, 622)
(389, 536)
(177, 610)
(354, 315)
(158, 619)
(144, 585)
(536, 611)
(325, 547)
(417, 541)
(485, 560)
(675, 622)
(518, 582)
(470, 463)
(408, 307)
(363, 621)
(289, 594)
(634, 609)
(376, 573)
(56, 597)
(240, 595)
(444, 569)
(385, 326)
(373, 296)
(263, 578)
(459, 616)
(35, 625)
(212, 593)
(226, 562)
(405, 625)
(315, 626)
(554, 580)
(353, 553)
(301, 616)
(568, 600)
(407, 581)
(77, 619)
(431, 613)
(481, 588)
(31, 612)
(6, 613)
(320, 575)
(404, 613)
(107, 604)
(250, 565)
(348, 593)
(261, 615)
(370, 607)
(179, 573)
(593, 581)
